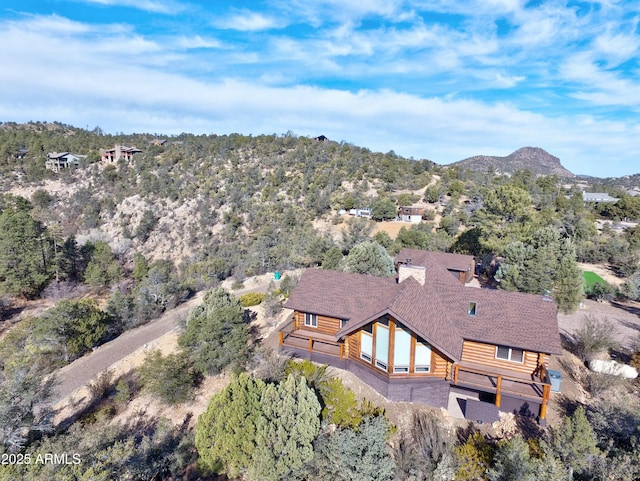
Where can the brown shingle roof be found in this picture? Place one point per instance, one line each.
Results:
(513, 319)
(342, 295)
(436, 312)
(422, 310)
(438, 264)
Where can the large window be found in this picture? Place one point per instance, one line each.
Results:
(382, 346)
(366, 345)
(422, 356)
(509, 354)
(402, 350)
(310, 320)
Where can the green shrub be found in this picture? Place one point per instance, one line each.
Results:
(252, 299)
(595, 336)
(172, 378)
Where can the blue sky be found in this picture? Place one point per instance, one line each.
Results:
(440, 80)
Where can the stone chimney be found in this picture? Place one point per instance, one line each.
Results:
(407, 270)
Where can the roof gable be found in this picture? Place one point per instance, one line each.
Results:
(438, 264)
(342, 295)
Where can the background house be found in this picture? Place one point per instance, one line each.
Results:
(598, 197)
(118, 152)
(57, 161)
(21, 153)
(410, 214)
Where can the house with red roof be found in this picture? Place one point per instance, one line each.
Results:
(119, 152)
(426, 334)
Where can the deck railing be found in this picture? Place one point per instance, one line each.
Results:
(314, 342)
(507, 384)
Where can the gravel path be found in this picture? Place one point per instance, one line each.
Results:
(81, 371)
(84, 369)
(624, 318)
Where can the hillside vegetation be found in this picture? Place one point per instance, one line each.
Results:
(535, 159)
(111, 246)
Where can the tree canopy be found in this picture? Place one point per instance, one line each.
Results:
(369, 258)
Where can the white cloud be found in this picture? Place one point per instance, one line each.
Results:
(246, 21)
(155, 6)
(197, 41)
(113, 76)
(616, 48)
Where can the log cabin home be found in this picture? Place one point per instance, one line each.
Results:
(424, 334)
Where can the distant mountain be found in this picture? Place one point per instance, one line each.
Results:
(535, 159)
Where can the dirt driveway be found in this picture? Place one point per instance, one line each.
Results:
(624, 317)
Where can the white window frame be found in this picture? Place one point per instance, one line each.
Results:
(422, 368)
(382, 346)
(473, 308)
(509, 357)
(367, 356)
(402, 358)
(343, 323)
(310, 320)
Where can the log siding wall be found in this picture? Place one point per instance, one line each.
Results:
(485, 354)
(326, 325)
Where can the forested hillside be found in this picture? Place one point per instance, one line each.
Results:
(236, 202)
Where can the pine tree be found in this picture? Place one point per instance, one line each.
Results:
(574, 441)
(24, 254)
(568, 280)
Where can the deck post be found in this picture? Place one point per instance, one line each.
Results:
(341, 349)
(281, 338)
(546, 391)
(498, 386)
(310, 345)
(455, 373)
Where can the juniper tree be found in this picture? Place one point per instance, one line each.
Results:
(512, 462)
(71, 328)
(285, 431)
(358, 454)
(226, 431)
(216, 334)
(369, 258)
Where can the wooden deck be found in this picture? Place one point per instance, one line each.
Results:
(536, 388)
(314, 342)
(322, 347)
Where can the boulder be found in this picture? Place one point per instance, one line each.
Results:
(614, 368)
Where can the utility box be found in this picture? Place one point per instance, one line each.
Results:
(277, 276)
(556, 380)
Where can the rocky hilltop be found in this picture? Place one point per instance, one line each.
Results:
(535, 159)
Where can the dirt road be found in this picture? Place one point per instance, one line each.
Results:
(81, 371)
(84, 369)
